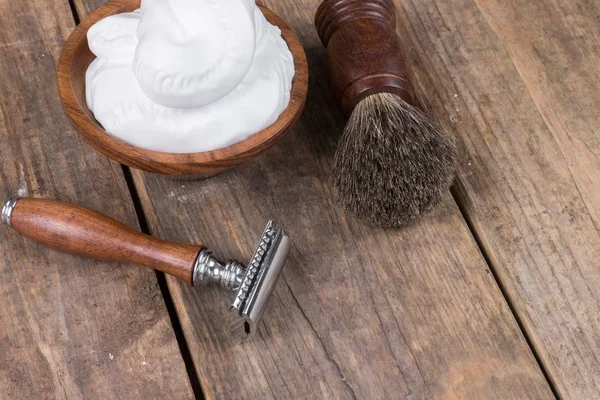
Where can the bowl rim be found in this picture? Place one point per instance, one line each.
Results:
(176, 163)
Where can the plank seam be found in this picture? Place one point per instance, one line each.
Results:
(74, 12)
(458, 199)
(166, 294)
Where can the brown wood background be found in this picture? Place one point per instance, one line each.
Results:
(495, 295)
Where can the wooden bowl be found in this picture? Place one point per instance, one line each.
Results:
(72, 66)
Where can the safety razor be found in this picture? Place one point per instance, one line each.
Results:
(82, 232)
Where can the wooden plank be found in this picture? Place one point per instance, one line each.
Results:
(70, 328)
(518, 82)
(360, 312)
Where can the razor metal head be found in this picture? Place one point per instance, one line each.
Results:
(258, 282)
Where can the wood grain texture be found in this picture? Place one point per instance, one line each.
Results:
(359, 312)
(69, 328)
(518, 83)
(87, 233)
(74, 61)
(364, 55)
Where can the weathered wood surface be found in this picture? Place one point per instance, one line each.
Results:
(69, 328)
(518, 83)
(359, 312)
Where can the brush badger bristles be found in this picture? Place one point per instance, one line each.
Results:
(393, 163)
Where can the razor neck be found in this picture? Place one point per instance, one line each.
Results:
(209, 269)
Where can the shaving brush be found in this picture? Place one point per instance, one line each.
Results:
(393, 164)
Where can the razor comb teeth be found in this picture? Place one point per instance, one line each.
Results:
(259, 281)
(254, 265)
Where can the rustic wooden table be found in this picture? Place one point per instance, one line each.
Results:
(494, 295)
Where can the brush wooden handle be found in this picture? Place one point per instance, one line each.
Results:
(83, 232)
(364, 54)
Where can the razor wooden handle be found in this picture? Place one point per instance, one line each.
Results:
(83, 232)
(364, 54)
